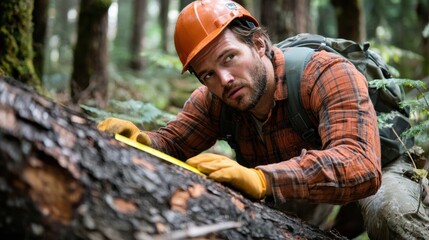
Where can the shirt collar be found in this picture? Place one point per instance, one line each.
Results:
(278, 64)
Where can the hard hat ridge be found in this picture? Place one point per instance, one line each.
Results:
(202, 21)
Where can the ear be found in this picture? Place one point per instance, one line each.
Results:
(260, 46)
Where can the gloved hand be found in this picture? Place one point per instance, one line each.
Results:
(124, 128)
(249, 181)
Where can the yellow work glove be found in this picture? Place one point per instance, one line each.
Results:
(124, 128)
(249, 181)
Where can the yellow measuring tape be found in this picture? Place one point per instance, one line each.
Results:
(156, 153)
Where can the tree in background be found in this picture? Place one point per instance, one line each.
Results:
(163, 22)
(89, 79)
(291, 18)
(40, 22)
(422, 10)
(139, 20)
(16, 52)
(65, 29)
(401, 22)
(350, 19)
(397, 26)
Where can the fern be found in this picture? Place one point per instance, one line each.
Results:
(418, 105)
(140, 113)
(383, 119)
(419, 109)
(419, 130)
(383, 83)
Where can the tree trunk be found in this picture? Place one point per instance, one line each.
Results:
(139, 21)
(350, 19)
(60, 178)
(163, 22)
(16, 51)
(301, 15)
(422, 11)
(64, 26)
(40, 23)
(270, 20)
(285, 18)
(89, 78)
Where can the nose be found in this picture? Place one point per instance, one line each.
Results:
(225, 77)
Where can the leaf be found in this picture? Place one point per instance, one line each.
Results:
(417, 130)
(385, 119)
(383, 83)
(421, 172)
(416, 175)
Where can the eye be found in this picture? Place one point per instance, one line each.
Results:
(207, 76)
(229, 58)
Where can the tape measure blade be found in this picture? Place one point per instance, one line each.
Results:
(156, 153)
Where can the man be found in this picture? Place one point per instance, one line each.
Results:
(222, 44)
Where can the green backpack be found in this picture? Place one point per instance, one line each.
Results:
(385, 100)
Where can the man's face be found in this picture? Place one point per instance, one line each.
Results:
(232, 70)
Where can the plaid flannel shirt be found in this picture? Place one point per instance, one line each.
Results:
(335, 96)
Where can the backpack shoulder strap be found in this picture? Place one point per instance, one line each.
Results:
(228, 130)
(296, 59)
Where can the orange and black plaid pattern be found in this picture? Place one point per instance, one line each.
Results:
(335, 95)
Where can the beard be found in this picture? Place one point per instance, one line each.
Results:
(258, 87)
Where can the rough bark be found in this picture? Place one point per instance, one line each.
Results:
(60, 178)
(16, 52)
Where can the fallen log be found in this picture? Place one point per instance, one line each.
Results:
(60, 178)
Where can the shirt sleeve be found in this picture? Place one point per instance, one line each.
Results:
(348, 166)
(195, 128)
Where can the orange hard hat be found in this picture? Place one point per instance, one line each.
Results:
(200, 22)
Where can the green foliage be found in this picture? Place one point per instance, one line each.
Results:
(102, 4)
(419, 105)
(145, 115)
(400, 81)
(419, 109)
(397, 21)
(166, 61)
(419, 130)
(399, 60)
(363, 236)
(383, 119)
(146, 87)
